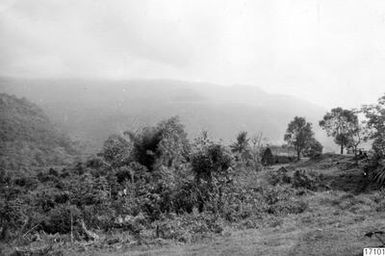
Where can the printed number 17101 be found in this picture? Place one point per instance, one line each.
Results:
(374, 252)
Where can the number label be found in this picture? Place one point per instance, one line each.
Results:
(374, 252)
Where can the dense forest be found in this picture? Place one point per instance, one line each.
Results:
(28, 139)
(155, 184)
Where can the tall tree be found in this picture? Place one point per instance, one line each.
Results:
(375, 115)
(357, 135)
(340, 124)
(299, 134)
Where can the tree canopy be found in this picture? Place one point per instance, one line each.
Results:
(299, 134)
(165, 144)
(340, 123)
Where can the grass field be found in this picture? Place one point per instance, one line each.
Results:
(334, 223)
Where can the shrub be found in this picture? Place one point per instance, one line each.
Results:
(280, 176)
(155, 195)
(306, 180)
(280, 201)
(374, 170)
(58, 219)
(186, 197)
(282, 159)
(267, 157)
(209, 160)
(211, 164)
(11, 216)
(314, 149)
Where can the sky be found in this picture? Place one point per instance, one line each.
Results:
(330, 52)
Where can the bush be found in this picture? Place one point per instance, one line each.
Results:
(374, 170)
(209, 160)
(314, 149)
(280, 176)
(254, 203)
(186, 197)
(280, 201)
(267, 157)
(306, 180)
(211, 165)
(281, 159)
(12, 214)
(58, 219)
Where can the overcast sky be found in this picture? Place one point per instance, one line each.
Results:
(331, 52)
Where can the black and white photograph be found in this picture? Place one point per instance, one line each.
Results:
(192, 127)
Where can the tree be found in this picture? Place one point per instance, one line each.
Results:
(375, 115)
(145, 146)
(241, 146)
(340, 124)
(299, 134)
(116, 150)
(174, 147)
(165, 144)
(358, 134)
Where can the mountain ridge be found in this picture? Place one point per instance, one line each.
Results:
(90, 110)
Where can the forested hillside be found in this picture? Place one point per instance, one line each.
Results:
(27, 137)
(91, 110)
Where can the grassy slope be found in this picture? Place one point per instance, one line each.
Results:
(334, 223)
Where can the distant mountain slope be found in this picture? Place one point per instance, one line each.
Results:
(91, 110)
(28, 138)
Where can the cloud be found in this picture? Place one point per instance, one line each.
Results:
(313, 49)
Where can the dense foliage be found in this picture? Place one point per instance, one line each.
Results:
(138, 182)
(375, 125)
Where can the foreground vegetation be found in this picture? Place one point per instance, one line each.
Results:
(154, 188)
(308, 207)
